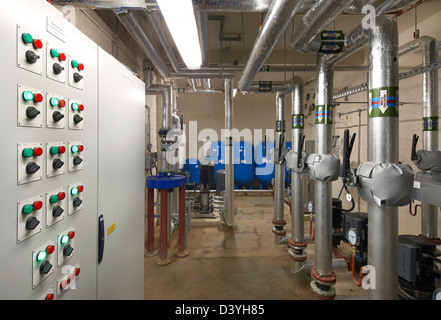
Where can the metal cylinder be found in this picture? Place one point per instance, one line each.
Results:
(429, 48)
(297, 212)
(229, 165)
(383, 148)
(323, 189)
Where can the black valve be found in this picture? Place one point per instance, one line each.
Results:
(77, 77)
(57, 116)
(32, 223)
(32, 112)
(31, 56)
(45, 267)
(57, 211)
(32, 167)
(413, 156)
(77, 202)
(77, 119)
(57, 163)
(57, 68)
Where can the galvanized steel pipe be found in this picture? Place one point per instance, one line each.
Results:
(383, 148)
(229, 165)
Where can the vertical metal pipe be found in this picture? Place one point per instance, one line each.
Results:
(151, 223)
(229, 165)
(297, 214)
(383, 148)
(182, 248)
(163, 258)
(429, 48)
(279, 176)
(322, 272)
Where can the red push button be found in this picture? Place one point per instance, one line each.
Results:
(62, 57)
(38, 151)
(63, 284)
(80, 188)
(61, 149)
(81, 66)
(62, 103)
(37, 44)
(50, 249)
(37, 205)
(50, 296)
(38, 97)
(61, 195)
(70, 278)
(81, 107)
(80, 148)
(71, 234)
(77, 272)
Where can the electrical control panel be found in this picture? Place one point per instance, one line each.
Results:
(50, 169)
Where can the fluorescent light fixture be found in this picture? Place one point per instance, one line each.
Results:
(180, 19)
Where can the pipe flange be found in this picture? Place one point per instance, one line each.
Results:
(435, 241)
(151, 254)
(328, 294)
(299, 257)
(161, 262)
(278, 232)
(297, 245)
(322, 279)
(182, 254)
(279, 222)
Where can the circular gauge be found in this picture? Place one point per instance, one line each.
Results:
(308, 96)
(437, 294)
(352, 237)
(310, 206)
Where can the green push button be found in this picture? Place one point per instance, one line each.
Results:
(75, 63)
(28, 96)
(54, 150)
(54, 102)
(27, 38)
(53, 199)
(28, 152)
(75, 106)
(54, 53)
(28, 209)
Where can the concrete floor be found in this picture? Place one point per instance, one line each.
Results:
(242, 263)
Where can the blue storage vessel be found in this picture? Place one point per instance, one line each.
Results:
(264, 169)
(244, 165)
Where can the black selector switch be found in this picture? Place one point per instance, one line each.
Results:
(31, 56)
(32, 167)
(77, 160)
(57, 116)
(45, 267)
(32, 112)
(57, 211)
(57, 163)
(57, 68)
(32, 223)
(77, 118)
(77, 77)
(77, 202)
(67, 250)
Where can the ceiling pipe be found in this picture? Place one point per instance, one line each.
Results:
(202, 22)
(383, 148)
(279, 16)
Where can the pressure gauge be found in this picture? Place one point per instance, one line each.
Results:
(437, 294)
(310, 206)
(353, 237)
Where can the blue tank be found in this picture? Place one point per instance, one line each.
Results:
(264, 166)
(192, 167)
(217, 156)
(244, 165)
(288, 146)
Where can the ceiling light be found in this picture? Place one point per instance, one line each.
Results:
(181, 22)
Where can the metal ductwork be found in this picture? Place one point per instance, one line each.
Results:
(279, 16)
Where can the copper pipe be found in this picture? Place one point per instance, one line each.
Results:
(150, 221)
(181, 220)
(163, 257)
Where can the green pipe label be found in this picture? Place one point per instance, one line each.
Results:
(323, 114)
(430, 124)
(298, 121)
(280, 126)
(383, 102)
(331, 41)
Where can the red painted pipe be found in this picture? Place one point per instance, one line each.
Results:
(163, 232)
(181, 220)
(150, 220)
